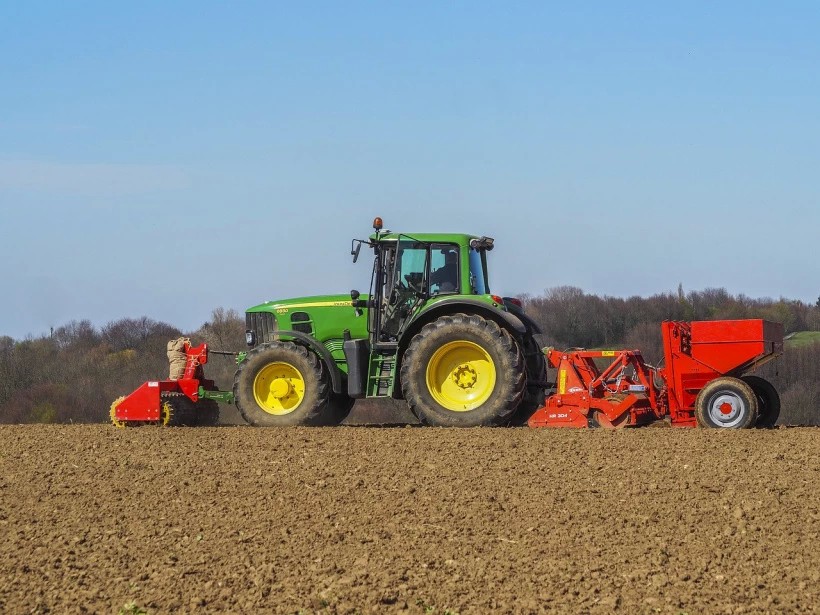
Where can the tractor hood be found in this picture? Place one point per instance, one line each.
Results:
(300, 303)
(323, 317)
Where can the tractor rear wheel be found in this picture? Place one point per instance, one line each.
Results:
(463, 371)
(768, 400)
(727, 403)
(281, 383)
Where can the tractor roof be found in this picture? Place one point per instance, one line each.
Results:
(459, 238)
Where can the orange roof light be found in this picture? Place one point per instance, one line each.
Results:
(377, 223)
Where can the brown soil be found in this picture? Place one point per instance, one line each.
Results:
(369, 519)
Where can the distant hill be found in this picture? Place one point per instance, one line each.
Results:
(802, 338)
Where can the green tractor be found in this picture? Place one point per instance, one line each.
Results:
(429, 332)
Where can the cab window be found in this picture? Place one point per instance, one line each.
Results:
(444, 269)
(478, 272)
(411, 269)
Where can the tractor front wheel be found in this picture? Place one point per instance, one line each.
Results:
(282, 383)
(727, 403)
(463, 371)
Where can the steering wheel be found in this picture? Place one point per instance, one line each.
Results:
(414, 281)
(395, 295)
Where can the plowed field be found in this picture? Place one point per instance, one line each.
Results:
(430, 520)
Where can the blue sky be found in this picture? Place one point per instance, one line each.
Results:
(166, 158)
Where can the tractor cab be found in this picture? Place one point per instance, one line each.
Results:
(414, 272)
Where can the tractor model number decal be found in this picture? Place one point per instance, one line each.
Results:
(295, 306)
(562, 381)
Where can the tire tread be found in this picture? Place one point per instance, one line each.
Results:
(739, 386)
(511, 363)
(315, 376)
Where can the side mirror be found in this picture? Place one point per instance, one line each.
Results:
(354, 252)
(354, 295)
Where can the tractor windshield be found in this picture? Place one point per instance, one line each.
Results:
(478, 272)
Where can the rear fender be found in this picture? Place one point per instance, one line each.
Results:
(532, 326)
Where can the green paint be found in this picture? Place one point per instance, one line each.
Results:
(328, 316)
(224, 397)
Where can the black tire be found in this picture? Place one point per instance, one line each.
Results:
(499, 346)
(726, 403)
(180, 409)
(534, 392)
(314, 405)
(207, 413)
(768, 400)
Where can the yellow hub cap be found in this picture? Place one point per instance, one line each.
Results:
(279, 388)
(461, 376)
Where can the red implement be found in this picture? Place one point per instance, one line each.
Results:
(146, 405)
(697, 353)
(586, 396)
(628, 392)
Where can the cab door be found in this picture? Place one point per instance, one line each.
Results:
(405, 288)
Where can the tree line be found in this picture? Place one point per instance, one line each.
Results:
(74, 373)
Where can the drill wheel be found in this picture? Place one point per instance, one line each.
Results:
(206, 413)
(176, 410)
(112, 413)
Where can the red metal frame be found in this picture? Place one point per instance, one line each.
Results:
(145, 403)
(695, 354)
(698, 352)
(589, 396)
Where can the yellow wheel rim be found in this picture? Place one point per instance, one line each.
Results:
(112, 413)
(461, 376)
(279, 388)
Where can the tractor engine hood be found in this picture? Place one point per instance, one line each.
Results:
(305, 303)
(323, 317)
